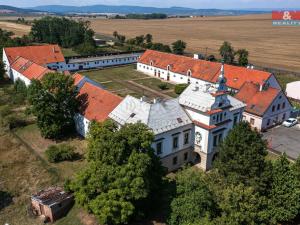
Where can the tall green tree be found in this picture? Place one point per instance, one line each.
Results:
(139, 40)
(284, 198)
(161, 47)
(148, 38)
(242, 156)
(2, 70)
(241, 205)
(62, 31)
(54, 103)
(227, 52)
(178, 47)
(123, 177)
(193, 201)
(242, 57)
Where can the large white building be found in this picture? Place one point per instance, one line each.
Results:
(189, 128)
(265, 94)
(51, 57)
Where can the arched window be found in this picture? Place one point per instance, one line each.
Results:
(189, 73)
(151, 63)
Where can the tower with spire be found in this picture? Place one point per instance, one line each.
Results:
(221, 82)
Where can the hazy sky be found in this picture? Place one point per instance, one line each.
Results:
(236, 4)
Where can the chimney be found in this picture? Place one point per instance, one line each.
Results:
(196, 56)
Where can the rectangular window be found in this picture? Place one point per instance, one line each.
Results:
(283, 105)
(278, 106)
(235, 119)
(175, 160)
(186, 138)
(215, 141)
(220, 137)
(175, 142)
(185, 156)
(252, 121)
(159, 148)
(268, 123)
(273, 108)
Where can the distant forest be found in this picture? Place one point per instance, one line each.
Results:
(143, 16)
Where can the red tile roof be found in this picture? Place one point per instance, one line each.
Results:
(257, 101)
(40, 54)
(97, 103)
(77, 78)
(204, 70)
(29, 69)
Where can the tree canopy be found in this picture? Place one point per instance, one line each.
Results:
(193, 201)
(62, 31)
(54, 103)
(2, 70)
(242, 155)
(178, 47)
(123, 177)
(242, 57)
(227, 52)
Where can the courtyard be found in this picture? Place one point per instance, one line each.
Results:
(126, 80)
(282, 139)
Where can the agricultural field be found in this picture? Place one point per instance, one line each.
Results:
(126, 80)
(269, 46)
(18, 29)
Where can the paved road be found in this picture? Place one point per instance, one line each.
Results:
(282, 139)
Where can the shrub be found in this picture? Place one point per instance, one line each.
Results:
(163, 86)
(59, 153)
(179, 88)
(5, 111)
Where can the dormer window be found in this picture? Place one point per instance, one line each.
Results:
(189, 73)
(168, 67)
(151, 63)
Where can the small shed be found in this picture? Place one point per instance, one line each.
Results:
(293, 90)
(51, 203)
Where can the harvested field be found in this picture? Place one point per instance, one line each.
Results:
(277, 47)
(18, 29)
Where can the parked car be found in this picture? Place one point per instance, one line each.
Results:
(290, 122)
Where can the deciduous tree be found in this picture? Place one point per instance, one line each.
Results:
(123, 177)
(241, 156)
(178, 47)
(54, 103)
(227, 52)
(284, 198)
(242, 57)
(2, 70)
(193, 201)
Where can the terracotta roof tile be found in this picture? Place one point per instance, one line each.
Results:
(77, 78)
(97, 103)
(29, 69)
(40, 54)
(204, 70)
(257, 101)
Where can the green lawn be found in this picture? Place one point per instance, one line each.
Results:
(69, 52)
(285, 78)
(154, 83)
(114, 79)
(116, 73)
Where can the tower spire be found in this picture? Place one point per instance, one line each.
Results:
(221, 83)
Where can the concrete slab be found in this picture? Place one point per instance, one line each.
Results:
(282, 139)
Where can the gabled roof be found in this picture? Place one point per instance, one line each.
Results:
(204, 70)
(96, 103)
(257, 101)
(80, 80)
(161, 116)
(40, 54)
(29, 69)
